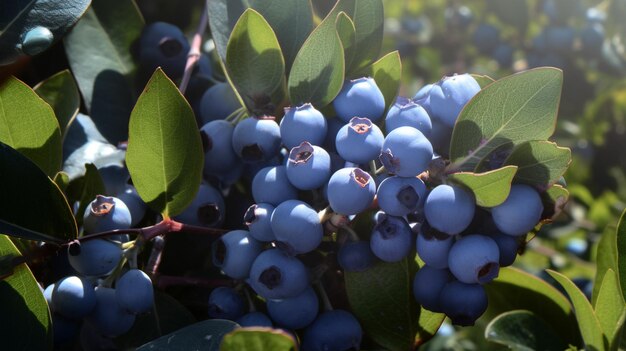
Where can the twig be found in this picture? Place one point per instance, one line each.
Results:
(194, 52)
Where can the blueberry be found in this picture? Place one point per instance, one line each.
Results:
(408, 113)
(308, 166)
(400, 196)
(163, 45)
(135, 204)
(520, 212)
(134, 292)
(294, 312)
(276, 275)
(297, 225)
(444, 200)
(560, 39)
(47, 294)
(219, 156)
(503, 54)
(350, 191)
(486, 37)
(474, 259)
(302, 123)
(256, 139)
(508, 247)
(105, 214)
(225, 303)
(360, 97)
(234, 253)
(206, 210)
(334, 124)
(577, 246)
(218, 102)
(73, 297)
(36, 40)
(335, 330)
(458, 17)
(450, 95)
(592, 39)
(359, 141)
(257, 218)
(427, 286)
(392, 238)
(406, 152)
(108, 317)
(94, 257)
(433, 246)
(255, 319)
(463, 303)
(440, 138)
(271, 185)
(356, 256)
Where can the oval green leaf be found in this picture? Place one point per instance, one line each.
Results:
(554, 200)
(223, 14)
(490, 188)
(588, 322)
(621, 252)
(347, 34)
(206, 335)
(540, 162)
(606, 259)
(387, 73)
(28, 124)
(258, 339)
(61, 93)
(318, 70)
(106, 81)
(610, 307)
(164, 155)
(382, 300)
(33, 207)
(522, 330)
(514, 109)
(254, 61)
(368, 21)
(22, 302)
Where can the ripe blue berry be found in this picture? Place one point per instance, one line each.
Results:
(450, 95)
(474, 259)
(275, 275)
(444, 200)
(219, 156)
(163, 44)
(463, 303)
(334, 124)
(135, 204)
(400, 196)
(520, 212)
(356, 256)
(294, 312)
(134, 292)
(106, 213)
(302, 123)
(560, 39)
(73, 297)
(108, 317)
(350, 191)
(297, 225)
(257, 218)
(360, 97)
(218, 102)
(427, 286)
(486, 38)
(508, 246)
(392, 238)
(308, 166)
(333, 330)
(255, 319)
(408, 113)
(406, 152)
(271, 185)
(234, 253)
(359, 141)
(433, 246)
(256, 139)
(206, 210)
(225, 303)
(95, 257)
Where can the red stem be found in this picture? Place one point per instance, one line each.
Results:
(194, 52)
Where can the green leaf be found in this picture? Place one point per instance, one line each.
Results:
(588, 322)
(19, 17)
(27, 323)
(514, 109)
(522, 330)
(62, 180)
(387, 73)
(292, 22)
(33, 207)
(387, 287)
(206, 335)
(164, 155)
(318, 70)
(258, 339)
(223, 14)
(621, 252)
(368, 21)
(540, 162)
(61, 93)
(610, 306)
(490, 188)
(515, 289)
(347, 34)
(106, 81)
(27, 124)
(483, 80)
(91, 185)
(554, 200)
(606, 259)
(254, 61)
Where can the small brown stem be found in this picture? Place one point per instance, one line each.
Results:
(194, 52)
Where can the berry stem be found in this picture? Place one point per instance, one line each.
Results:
(322, 292)
(251, 306)
(194, 51)
(154, 261)
(353, 235)
(373, 168)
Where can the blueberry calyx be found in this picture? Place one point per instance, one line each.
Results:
(488, 272)
(391, 163)
(252, 153)
(408, 197)
(74, 248)
(361, 177)
(102, 205)
(250, 216)
(387, 228)
(302, 153)
(271, 277)
(360, 125)
(170, 47)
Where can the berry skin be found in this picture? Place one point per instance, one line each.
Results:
(407, 113)
(508, 246)
(450, 95)
(275, 275)
(486, 38)
(356, 256)
(206, 210)
(256, 139)
(95, 257)
(474, 259)
(225, 303)
(427, 286)
(295, 312)
(360, 97)
(444, 200)
(334, 330)
(297, 225)
(400, 196)
(73, 297)
(592, 39)
(257, 218)
(350, 191)
(359, 141)
(422, 98)
(560, 39)
(218, 102)
(106, 213)
(255, 319)
(392, 238)
(271, 185)
(234, 253)
(219, 156)
(303, 123)
(334, 124)
(134, 292)
(308, 166)
(433, 247)
(108, 317)
(406, 152)
(520, 212)
(163, 44)
(47, 294)
(135, 204)
(503, 54)
(463, 303)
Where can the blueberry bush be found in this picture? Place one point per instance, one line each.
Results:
(265, 175)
